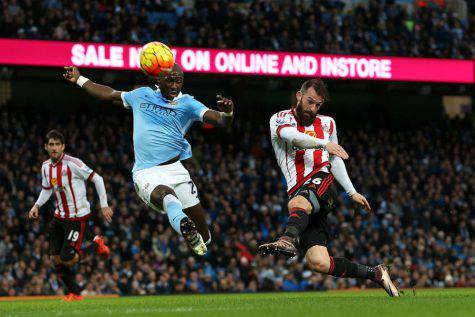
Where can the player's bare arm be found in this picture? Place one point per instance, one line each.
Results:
(223, 117)
(99, 91)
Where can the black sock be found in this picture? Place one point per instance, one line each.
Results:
(66, 274)
(342, 267)
(297, 223)
(90, 249)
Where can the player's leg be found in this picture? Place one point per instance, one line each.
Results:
(187, 193)
(70, 255)
(155, 187)
(320, 261)
(57, 238)
(97, 246)
(198, 215)
(165, 196)
(300, 208)
(313, 243)
(304, 203)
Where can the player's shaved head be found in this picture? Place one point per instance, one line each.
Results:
(176, 71)
(170, 84)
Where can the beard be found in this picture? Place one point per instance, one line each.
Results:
(304, 118)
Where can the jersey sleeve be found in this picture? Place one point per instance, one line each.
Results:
(278, 122)
(131, 99)
(44, 180)
(197, 110)
(81, 170)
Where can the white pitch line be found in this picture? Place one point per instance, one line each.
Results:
(131, 311)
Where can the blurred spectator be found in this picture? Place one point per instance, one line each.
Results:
(394, 28)
(421, 183)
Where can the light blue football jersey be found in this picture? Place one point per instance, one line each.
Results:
(160, 125)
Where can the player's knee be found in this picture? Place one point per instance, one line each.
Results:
(318, 259)
(156, 198)
(317, 264)
(73, 261)
(300, 202)
(67, 255)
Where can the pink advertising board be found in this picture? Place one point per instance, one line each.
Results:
(261, 63)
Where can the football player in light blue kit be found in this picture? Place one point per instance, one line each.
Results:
(161, 119)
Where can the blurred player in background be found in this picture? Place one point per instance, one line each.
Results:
(307, 151)
(161, 119)
(65, 177)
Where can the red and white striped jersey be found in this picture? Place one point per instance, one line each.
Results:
(298, 165)
(67, 180)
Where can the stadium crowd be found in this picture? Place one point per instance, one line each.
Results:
(420, 181)
(394, 28)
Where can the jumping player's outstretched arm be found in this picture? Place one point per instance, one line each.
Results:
(102, 92)
(223, 117)
(338, 169)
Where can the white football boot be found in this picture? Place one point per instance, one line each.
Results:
(385, 280)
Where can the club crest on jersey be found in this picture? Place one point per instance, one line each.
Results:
(326, 128)
(54, 183)
(311, 133)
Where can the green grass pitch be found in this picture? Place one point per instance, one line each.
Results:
(443, 302)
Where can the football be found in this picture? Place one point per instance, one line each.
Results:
(156, 58)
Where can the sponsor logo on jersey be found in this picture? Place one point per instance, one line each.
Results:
(157, 109)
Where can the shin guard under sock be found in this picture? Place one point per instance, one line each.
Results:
(65, 274)
(342, 267)
(297, 223)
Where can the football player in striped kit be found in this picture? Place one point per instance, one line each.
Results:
(64, 177)
(307, 151)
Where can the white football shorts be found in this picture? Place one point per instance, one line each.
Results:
(172, 175)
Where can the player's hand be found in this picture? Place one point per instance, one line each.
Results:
(34, 212)
(224, 104)
(71, 74)
(336, 149)
(361, 200)
(107, 213)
